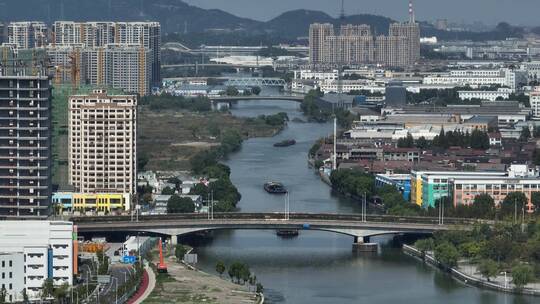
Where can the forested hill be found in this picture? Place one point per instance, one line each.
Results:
(177, 16)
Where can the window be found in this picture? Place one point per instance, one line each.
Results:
(3, 264)
(10, 263)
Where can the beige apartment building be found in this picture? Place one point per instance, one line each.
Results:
(102, 142)
(355, 44)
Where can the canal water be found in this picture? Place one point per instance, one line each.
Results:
(318, 267)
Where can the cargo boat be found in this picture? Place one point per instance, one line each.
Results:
(275, 188)
(285, 143)
(287, 232)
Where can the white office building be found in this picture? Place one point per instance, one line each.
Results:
(32, 252)
(534, 100)
(503, 93)
(512, 79)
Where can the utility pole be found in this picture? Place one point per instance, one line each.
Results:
(334, 156)
(287, 206)
(515, 210)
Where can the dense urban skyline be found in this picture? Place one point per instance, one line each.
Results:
(455, 11)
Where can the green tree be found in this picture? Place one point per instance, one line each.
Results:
(3, 294)
(536, 132)
(522, 275)
(525, 134)
(422, 143)
(61, 292)
(469, 249)
(446, 254)
(146, 198)
(512, 203)
(179, 251)
(167, 191)
(231, 91)
(213, 129)
(103, 262)
(235, 270)
(47, 289)
(407, 142)
(479, 140)
(535, 200)
(482, 207)
(245, 273)
(536, 157)
(220, 268)
(488, 268)
(256, 90)
(424, 245)
(260, 288)
(24, 296)
(177, 204)
(142, 160)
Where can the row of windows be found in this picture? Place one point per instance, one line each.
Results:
(498, 187)
(4, 264)
(10, 275)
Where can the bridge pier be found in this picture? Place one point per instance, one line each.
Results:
(174, 240)
(362, 244)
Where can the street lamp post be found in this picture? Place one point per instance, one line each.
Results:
(441, 212)
(115, 289)
(212, 205)
(364, 208)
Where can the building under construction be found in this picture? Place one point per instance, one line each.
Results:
(124, 67)
(23, 62)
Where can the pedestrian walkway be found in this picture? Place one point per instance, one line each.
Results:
(147, 286)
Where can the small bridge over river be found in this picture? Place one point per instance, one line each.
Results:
(361, 228)
(297, 98)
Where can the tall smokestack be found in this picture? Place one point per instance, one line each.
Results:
(411, 12)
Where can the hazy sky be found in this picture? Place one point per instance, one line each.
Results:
(524, 12)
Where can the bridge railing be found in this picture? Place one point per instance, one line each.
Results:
(280, 216)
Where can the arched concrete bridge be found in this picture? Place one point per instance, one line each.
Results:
(173, 225)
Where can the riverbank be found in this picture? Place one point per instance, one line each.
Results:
(469, 274)
(186, 284)
(168, 139)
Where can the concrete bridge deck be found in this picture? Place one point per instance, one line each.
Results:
(175, 225)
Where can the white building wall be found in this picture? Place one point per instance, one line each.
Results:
(11, 278)
(35, 240)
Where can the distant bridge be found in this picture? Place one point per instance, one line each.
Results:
(200, 65)
(255, 81)
(296, 98)
(353, 225)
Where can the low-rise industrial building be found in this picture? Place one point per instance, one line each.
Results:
(92, 202)
(427, 187)
(503, 93)
(402, 182)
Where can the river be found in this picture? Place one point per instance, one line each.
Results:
(318, 267)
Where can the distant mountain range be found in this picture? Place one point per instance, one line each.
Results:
(179, 17)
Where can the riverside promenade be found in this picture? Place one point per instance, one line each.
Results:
(469, 274)
(185, 284)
